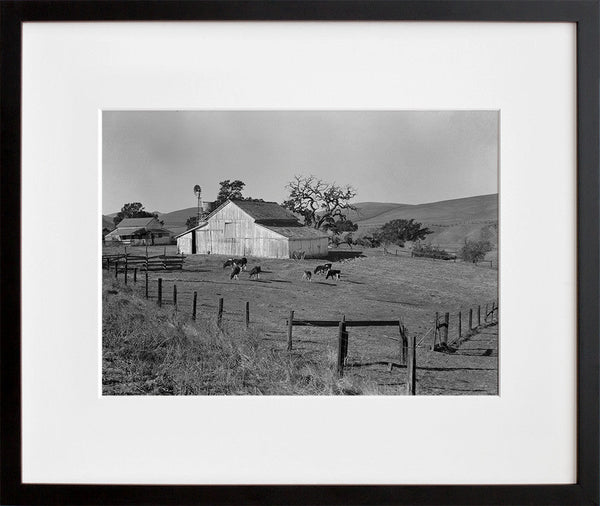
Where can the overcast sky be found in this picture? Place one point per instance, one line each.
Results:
(411, 157)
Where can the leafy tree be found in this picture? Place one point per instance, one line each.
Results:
(341, 226)
(400, 231)
(321, 204)
(191, 222)
(474, 251)
(349, 240)
(230, 190)
(431, 251)
(367, 240)
(335, 240)
(132, 210)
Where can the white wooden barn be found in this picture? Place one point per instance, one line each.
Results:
(253, 229)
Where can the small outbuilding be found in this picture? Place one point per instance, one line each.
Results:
(139, 231)
(250, 228)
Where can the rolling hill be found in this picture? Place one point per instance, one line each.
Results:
(452, 221)
(445, 212)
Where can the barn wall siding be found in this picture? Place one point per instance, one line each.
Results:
(184, 244)
(313, 248)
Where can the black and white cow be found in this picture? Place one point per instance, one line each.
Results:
(235, 272)
(333, 274)
(255, 272)
(322, 269)
(242, 262)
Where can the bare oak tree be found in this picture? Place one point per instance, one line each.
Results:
(321, 204)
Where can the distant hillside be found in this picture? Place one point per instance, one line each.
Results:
(178, 218)
(370, 210)
(107, 222)
(445, 212)
(452, 221)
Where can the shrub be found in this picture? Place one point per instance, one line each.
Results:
(474, 251)
(368, 241)
(430, 251)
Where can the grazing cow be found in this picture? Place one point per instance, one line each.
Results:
(307, 275)
(255, 272)
(322, 269)
(333, 274)
(235, 272)
(242, 262)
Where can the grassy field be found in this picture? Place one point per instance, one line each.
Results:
(254, 361)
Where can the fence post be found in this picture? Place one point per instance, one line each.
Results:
(470, 319)
(126, 267)
(159, 292)
(446, 327)
(247, 314)
(290, 329)
(175, 296)
(486, 313)
(403, 342)
(220, 313)
(411, 367)
(146, 283)
(117, 269)
(478, 316)
(194, 306)
(345, 348)
(459, 324)
(135, 275)
(435, 331)
(340, 357)
(108, 265)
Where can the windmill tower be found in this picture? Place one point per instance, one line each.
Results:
(198, 193)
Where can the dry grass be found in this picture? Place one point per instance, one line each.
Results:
(151, 351)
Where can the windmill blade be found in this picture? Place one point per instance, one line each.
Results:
(197, 189)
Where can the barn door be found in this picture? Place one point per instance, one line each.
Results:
(193, 242)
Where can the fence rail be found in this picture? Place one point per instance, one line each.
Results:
(349, 323)
(124, 262)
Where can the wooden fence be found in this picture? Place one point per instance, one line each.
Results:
(408, 342)
(407, 347)
(127, 262)
(442, 325)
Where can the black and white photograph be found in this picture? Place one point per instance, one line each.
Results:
(300, 252)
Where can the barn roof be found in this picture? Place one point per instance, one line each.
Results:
(265, 211)
(200, 225)
(135, 222)
(297, 232)
(127, 231)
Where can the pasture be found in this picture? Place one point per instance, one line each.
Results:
(373, 286)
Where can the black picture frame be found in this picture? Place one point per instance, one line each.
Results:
(585, 13)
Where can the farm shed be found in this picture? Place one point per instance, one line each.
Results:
(249, 228)
(137, 231)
